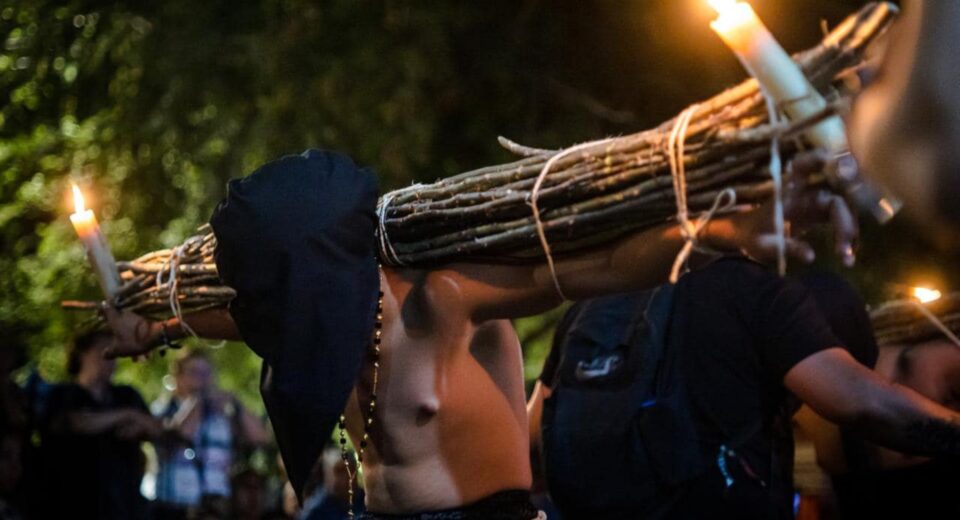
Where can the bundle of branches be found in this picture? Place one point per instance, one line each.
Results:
(604, 190)
(904, 321)
(616, 185)
(161, 283)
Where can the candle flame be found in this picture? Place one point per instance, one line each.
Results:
(721, 6)
(734, 17)
(926, 295)
(78, 206)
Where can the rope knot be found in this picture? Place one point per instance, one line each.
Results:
(689, 231)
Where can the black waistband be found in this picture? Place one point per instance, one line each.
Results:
(505, 505)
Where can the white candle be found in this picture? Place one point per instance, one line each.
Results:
(98, 252)
(780, 77)
(782, 80)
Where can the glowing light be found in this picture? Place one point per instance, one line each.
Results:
(738, 24)
(926, 295)
(98, 251)
(78, 205)
(722, 5)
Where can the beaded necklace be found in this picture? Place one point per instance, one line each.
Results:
(374, 354)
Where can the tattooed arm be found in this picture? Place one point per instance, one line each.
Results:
(841, 390)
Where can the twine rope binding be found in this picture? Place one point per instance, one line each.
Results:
(534, 206)
(724, 200)
(387, 251)
(172, 268)
(386, 248)
(776, 173)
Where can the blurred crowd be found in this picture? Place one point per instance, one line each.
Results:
(88, 448)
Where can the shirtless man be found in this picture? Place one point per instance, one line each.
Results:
(450, 429)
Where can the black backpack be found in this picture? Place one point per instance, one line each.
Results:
(618, 438)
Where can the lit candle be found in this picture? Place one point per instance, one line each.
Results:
(923, 296)
(781, 79)
(779, 76)
(98, 252)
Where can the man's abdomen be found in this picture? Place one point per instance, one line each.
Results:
(454, 426)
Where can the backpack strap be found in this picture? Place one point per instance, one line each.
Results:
(656, 320)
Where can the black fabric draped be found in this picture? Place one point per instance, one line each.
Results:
(296, 240)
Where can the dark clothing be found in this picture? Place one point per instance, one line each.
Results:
(91, 476)
(845, 312)
(324, 506)
(505, 505)
(161, 511)
(735, 330)
(296, 240)
(927, 490)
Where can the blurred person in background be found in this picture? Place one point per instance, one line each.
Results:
(331, 496)
(91, 439)
(905, 128)
(246, 500)
(870, 481)
(14, 429)
(204, 428)
(12, 440)
(677, 403)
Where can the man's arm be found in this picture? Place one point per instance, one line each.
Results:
(905, 128)
(644, 259)
(835, 386)
(93, 423)
(135, 335)
(143, 426)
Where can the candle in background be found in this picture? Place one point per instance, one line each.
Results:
(926, 295)
(781, 79)
(98, 252)
(921, 297)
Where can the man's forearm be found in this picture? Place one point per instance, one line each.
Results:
(642, 260)
(208, 324)
(908, 422)
(639, 261)
(93, 423)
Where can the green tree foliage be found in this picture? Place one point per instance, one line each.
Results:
(152, 106)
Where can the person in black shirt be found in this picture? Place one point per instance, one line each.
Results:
(869, 481)
(739, 343)
(91, 439)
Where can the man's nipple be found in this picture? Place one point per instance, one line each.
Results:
(427, 409)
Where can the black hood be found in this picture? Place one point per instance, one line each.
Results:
(296, 240)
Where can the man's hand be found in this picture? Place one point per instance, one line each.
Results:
(133, 334)
(804, 206)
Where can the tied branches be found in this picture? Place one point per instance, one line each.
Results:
(599, 190)
(169, 282)
(591, 194)
(909, 321)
